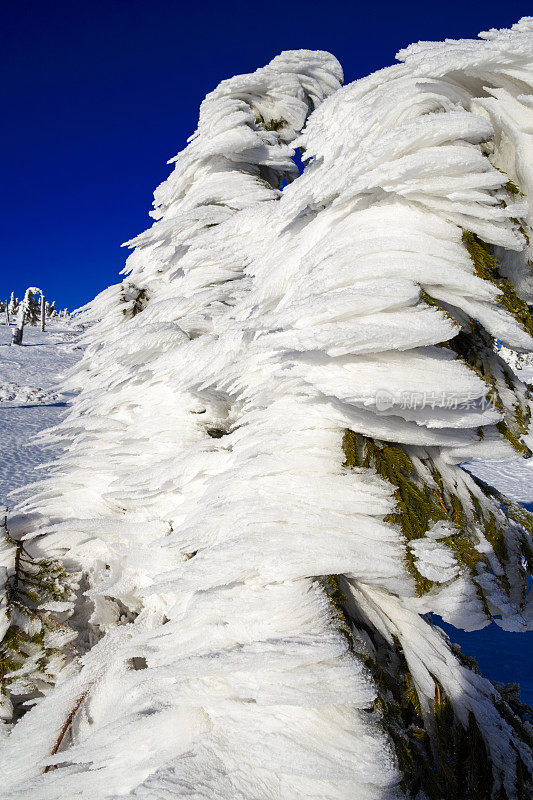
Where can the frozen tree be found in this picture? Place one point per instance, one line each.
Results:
(34, 643)
(13, 304)
(33, 314)
(22, 315)
(28, 313)
(261, 505)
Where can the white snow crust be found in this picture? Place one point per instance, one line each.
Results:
(201, 492)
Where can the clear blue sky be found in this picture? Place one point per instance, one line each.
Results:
(96, 96)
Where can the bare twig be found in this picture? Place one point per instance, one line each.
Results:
(65, 728)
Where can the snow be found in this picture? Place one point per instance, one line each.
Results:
(200, 492)
(512, 477)
(31, 398)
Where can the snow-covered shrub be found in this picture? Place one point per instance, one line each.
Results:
(34, 643)
(261, 484)
(516, 360)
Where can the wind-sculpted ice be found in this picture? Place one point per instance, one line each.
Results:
(244, 572)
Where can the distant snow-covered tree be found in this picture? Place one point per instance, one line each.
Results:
(33, 306)
(261, 507)
(42, 312)
(13, 304)
(28, 313)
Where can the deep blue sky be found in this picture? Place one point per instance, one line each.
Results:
(96, 96)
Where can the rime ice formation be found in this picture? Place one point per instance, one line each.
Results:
(279, 368)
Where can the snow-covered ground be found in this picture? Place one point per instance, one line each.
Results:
(515, 477)
(30, 397)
